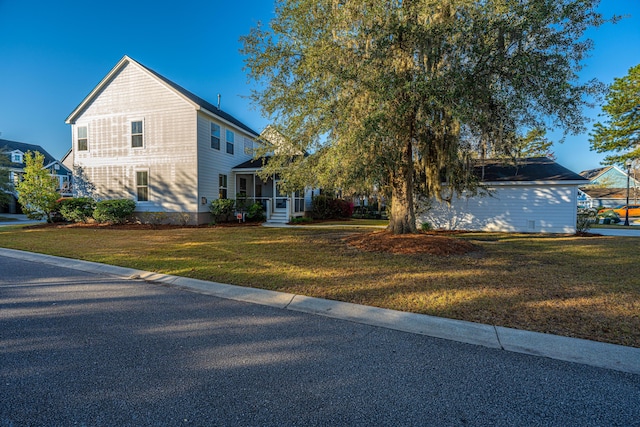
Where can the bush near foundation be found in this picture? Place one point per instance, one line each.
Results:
(78, 209)
(115, 211)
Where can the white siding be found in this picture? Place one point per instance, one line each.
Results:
(212, 162)
(169, 151)
(513, 208)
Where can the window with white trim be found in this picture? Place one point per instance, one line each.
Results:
(17, 157)
(215, 136)
(83, 140)
(230, 140)
(137, 134)
(142, 186)
(222, 186)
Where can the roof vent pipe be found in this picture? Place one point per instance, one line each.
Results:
(218, 101)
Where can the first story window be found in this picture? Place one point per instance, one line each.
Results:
(83, 141)
(230, 140)
(222, 186)
(142, 186)
(215, 136)
(137, 134)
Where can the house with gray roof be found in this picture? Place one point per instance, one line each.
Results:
(15, 152)
(533, 195)
(607, 187)
(138, 135)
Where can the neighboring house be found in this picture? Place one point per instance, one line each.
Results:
(607, 188)
(537, 195)
(16, 151)
(608, 177)
(140, 136)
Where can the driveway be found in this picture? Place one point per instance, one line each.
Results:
(17, 219)
(628, 232)
(79, 348)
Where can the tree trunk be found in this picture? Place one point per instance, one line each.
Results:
(402, 218)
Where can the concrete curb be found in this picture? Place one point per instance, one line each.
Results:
(592, 353)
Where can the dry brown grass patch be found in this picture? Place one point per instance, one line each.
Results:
(421, 243)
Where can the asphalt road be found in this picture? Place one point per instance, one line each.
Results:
(85, 349)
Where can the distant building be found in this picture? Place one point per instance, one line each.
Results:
(536, 195)
(15, 151)
(607, 188)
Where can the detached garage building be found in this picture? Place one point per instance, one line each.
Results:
(537, 195)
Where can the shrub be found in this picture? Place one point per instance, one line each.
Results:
(324, 207)
(300, 220)
(255, 212)
(425, 226)
(320, 208)
(78, 209)
(342, 208)
(115, 211)
(366, 212)
(609, 216)
(222, 210)
(586, 217)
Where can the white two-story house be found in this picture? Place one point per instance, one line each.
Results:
(140, 136)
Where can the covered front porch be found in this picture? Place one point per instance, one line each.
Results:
(278, 206)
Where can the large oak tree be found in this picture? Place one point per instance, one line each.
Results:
(402, 93)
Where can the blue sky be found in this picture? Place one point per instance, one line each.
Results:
(53, 53)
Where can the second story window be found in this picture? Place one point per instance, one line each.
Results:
(230, 140)
(137, 139)
(215, 136)
(16, 157)
(248, 146)
(83, 141)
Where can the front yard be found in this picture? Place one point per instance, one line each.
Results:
(586, 287)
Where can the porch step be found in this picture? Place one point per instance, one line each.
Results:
(279, 218)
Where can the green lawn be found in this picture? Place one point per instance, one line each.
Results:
(585, 287)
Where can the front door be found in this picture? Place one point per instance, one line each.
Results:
(281, 198)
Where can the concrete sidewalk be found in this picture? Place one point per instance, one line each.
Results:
(609, 356)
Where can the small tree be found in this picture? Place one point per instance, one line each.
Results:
(37, 190)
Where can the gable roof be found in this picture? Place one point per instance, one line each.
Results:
(6, 145)
(594, 173)
(199, 103)
(533, 169)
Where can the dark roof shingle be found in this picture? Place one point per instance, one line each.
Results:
(6, 145)
(530, 169)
